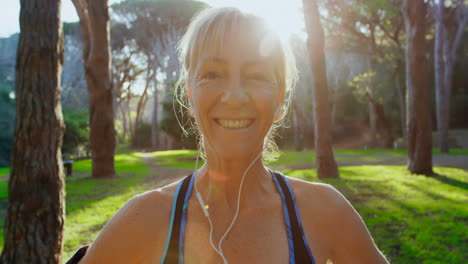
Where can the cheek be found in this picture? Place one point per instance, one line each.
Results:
(202, 102)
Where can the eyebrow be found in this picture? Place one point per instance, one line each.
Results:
(214, 60)
(257, 63)
(247, 64)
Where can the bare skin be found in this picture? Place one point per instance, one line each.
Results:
(239, 84)
(333, 229)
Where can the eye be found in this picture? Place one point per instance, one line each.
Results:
(211, 75)
(257, 77)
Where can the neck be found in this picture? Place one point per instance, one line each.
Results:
(219, 180)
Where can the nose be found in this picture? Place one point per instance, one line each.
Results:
(235, 93)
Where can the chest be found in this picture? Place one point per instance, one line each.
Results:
(256, 238)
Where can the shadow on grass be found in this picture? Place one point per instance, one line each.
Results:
(413, 219)
(450, 181)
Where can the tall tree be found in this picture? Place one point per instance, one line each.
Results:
(391, 25)
(95, 35)
(36, 206)
(445, 55)
(368, 27)
(417, 88)
(326, 165)
(157, 25)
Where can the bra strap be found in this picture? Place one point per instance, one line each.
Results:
(171, 252)
(299, 251)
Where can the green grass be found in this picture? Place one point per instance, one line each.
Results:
(90, 202)
(4, 172)
(185, 159)
(451, 152)
(182, 159)
(412, 218)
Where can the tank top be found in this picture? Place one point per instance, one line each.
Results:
(299, 251)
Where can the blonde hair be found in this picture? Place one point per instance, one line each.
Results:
(208, 29)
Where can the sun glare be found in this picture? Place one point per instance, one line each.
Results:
(285, 17)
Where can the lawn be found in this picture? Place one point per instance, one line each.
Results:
(413, 218)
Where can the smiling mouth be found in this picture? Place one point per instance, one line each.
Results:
(229, 123)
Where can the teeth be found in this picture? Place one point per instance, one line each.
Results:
(235, 123)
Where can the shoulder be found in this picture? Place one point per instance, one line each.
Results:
(137, 233)
(327, 214)
(318, 199)
(304, 190)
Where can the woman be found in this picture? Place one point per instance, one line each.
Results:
(237, 80)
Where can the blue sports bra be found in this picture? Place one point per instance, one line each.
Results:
(299, 251)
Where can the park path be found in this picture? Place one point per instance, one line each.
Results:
(161, 175)
(452, 161)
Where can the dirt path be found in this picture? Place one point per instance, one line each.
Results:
(161, 176)
(452, 161)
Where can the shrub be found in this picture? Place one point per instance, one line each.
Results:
(76, 135)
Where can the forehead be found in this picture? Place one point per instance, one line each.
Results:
(234, 43)
(235, 39)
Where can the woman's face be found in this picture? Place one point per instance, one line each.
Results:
(234, 96)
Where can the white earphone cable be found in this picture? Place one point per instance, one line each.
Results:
(219, 250)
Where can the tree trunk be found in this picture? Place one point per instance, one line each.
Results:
(326, 165)
(381, 120)
(385, 125)
(401, 104)
(418, 108)
(141, 106)
(372, 126)
(444, 62)
(373, 88)
(129, 117)
(298, 143)
(154, 123)
(124, 121)
(36, 206)
(441, 92)
(95, 34)
(333, 114)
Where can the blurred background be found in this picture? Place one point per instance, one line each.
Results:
(364, 57)
(413, 218)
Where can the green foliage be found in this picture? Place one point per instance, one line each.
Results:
(150, 20)
(143, 135)
(362, 85)
(71, 28)
(7, 113)
(76, 131)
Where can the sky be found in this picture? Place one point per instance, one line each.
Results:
(284, 15)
